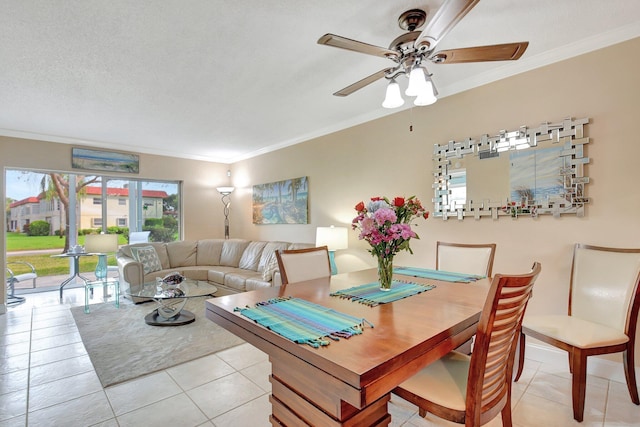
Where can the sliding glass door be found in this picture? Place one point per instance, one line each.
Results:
(92, 203)
(49, 212)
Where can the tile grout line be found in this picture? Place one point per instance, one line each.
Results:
(26, 414)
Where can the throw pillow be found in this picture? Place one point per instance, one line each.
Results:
(272, 267)
(148, 256)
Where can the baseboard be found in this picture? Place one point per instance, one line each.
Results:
(596, 366)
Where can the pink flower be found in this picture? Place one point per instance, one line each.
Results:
(387, 226)
(383, 215)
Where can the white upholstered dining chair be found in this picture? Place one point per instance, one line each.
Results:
(472, 390)
(602, 317)
(465, 258)
(297, 265)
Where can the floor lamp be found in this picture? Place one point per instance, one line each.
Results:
(335, 239)
(226, 201)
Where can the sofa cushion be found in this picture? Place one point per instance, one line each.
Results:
(269, 271)
(232, 251)
(148, 257)
(301, 246)
(251, 284)
(182, 253)
(198, 272)
(268, 263)
(216, 274)
(251, 256)
(209, 251)
(160, 247)
(237, 279)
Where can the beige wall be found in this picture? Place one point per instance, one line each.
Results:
(384, 157)
(201, 202)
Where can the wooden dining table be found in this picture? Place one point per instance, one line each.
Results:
(348, 383)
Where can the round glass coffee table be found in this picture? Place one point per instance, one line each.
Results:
(171, 299)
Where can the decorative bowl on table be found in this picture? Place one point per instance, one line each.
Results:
(173, 279)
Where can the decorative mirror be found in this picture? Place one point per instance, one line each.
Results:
(526, 172)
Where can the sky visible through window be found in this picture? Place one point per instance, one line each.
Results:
(21, 184)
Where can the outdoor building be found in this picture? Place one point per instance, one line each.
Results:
(38, 208)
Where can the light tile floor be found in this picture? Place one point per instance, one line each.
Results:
(46, 379)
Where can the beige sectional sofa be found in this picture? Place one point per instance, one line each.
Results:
(233, 265)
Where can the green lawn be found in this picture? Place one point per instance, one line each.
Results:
(46, 265)
(22, 242)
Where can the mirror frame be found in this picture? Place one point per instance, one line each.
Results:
(569, 133)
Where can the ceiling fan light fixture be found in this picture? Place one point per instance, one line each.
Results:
(428, 93)
(393, 99)
(417, 82)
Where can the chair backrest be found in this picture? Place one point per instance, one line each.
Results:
(604, 285)
(465, 258)
(496, 341)
(139, 237)
(297, 265)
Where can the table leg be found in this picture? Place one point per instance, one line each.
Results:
(116, 291)
(67, 281)
(86, 299)
(63, 284)
(302, 393)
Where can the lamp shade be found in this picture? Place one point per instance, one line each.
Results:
(100, 243)
(225, 190)
(417, 82)
(334, 238)
(393, 99)
(426, 96)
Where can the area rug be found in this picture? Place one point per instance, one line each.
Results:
(122, 346)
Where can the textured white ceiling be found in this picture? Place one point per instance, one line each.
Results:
(225, 80)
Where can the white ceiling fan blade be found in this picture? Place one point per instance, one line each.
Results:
(442, 22)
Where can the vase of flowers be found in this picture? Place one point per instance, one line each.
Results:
(386, 226)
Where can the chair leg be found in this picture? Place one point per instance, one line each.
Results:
(12, 299)
(523, 340)
(506, 415)
(630, 373)
(570, 363)
(579, 382)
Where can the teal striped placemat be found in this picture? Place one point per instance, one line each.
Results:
(304, 322)
(447, 276)
(370, 293)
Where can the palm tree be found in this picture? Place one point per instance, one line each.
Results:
(56, 185)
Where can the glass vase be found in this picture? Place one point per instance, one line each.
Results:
(101, 268)
(385, 272)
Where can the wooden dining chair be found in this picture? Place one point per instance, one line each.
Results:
(297, 265)
(602, 317)
(465, 258)
(472, 390)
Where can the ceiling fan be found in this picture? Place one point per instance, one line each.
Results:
(411, 50)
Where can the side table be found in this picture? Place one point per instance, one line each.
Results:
(76, 268)
(88, 288)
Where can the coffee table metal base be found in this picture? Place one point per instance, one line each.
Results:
(184, 317)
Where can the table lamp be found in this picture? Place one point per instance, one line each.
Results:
(334, 238)
(101, 245)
